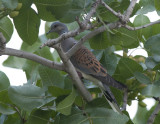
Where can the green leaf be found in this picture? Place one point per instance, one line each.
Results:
(64, 106)
(95, 115)
(141, 20)
(39, 117)
(56, 91)
(125, 38)
(27, 24)
(151, 90)
(10, 4)
(146, 6)
(27, 97)
(56, 8)
(51, 77)
(110, 62)
(139, 119)
(31, 70)
(152, 44)
(4, 81)
(30, 48)
(4, 109)
(127, 67)
(142, 78)
(14, 62)
(157, 4)
(99, 41)
(6, 27)
(150, 62)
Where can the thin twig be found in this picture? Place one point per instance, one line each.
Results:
(141, 27)
(119, 15)
(155, 112)
(19, 113)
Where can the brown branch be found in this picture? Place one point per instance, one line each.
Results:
(2, 42)
(119, 15)
(141, 27)
(72, 72)
(33, 57)
(155, 112)
(125, 97)
(129, 10)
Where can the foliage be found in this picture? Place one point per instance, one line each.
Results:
(49, 97)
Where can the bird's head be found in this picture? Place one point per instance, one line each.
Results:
(58, 27)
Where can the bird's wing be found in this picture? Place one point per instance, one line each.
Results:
(85, 61)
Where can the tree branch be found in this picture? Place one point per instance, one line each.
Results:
(129, 10)
(72, 72)
(2, 42)
(33, 57)
(119, 15)
(141, 27)
(155, 112)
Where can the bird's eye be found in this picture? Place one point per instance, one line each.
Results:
(55, 26)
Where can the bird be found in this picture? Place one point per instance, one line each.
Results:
(86, 63)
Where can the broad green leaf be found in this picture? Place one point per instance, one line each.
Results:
(26, 4)
(14, 62)
(98, 54)
(146, 6)
(157, 4)
(124, 38)
(4, 81)
(27, 97)
(151, 90)
(4, 98)
(4, 109)
(152, 44)
(110, 62)
(139, 119)
(39, 117)
(155, 29)
(51, 77)
(56, 91)
(127, 67)
(95, 115)
(99, 41)
(141, 20)
(10, 4)
(52, 9)
(27, 25)
(150, 62)
(64, 106)
(45, 11)
(142, 78)
(6, 27)
(31, 70)
(30, 48)
(14, 119)
(76, 8)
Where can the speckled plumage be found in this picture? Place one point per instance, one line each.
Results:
(86, 63)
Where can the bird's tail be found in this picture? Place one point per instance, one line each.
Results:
(111, 99)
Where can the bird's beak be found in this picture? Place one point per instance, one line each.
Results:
(48, 32)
